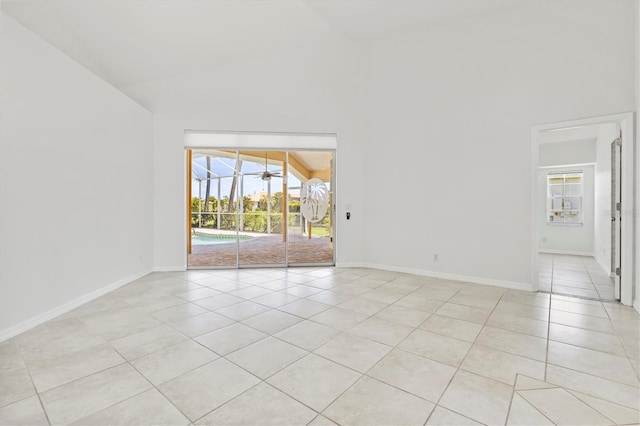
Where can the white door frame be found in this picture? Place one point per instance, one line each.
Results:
(625, 122)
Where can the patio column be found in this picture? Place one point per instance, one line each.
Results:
(284, 200)
(241, 204)
(303, 221)
(269, 206)
(219, 204)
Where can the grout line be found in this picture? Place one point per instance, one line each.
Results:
(288, 365)
(591, 375)
(366, 375)
(582, 347)
(624, 348)
(583, 268)
(590, 348)
(396, 347)
(453, 411)
(513, 393)
(465, 357)
(392, 304)
(159, 391)
(35, 389)
(546, 352)
(574, 392)
(425, 284)
(362, 375)
(236, 397)
(126, 361)
(260, 380)
(533, 406)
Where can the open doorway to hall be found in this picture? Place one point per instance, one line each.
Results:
(259, 208)
(570, 177)
(576, 276)
(583, 241)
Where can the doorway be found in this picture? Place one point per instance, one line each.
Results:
(253, 208)
(583, 237)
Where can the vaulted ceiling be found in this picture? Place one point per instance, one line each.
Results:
(133, 42)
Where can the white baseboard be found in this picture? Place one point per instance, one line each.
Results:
(568, 252)
(351, 265)
(169, 268)
(605, 267)
(636, 305)
(12, 331)
(443, 275)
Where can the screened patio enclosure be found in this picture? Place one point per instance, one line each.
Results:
(260, 208)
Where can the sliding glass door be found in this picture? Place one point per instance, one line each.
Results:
(260, 208)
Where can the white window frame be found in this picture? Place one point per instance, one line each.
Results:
(560, 205)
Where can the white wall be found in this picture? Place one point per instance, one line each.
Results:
(567, 152)
(314, 91)
(433, 129)
(567, 239)
(450, 113)
(602, 227)
(76, 192)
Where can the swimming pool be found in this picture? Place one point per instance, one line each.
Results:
(201, 239)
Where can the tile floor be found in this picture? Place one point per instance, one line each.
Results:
(580, 276)
(324, 346)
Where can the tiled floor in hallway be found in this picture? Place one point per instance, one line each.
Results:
(580, 276)
(324, 346)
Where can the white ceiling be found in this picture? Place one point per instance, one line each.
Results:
(140, 41)
(370, 19)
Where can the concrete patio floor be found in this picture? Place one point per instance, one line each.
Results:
(264, 250)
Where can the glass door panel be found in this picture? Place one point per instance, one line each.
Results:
(310, 213)
(260, 232)
(213, 209)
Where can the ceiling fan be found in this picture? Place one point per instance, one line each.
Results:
(267, 175)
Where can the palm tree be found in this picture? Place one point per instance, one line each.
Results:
(234, 182)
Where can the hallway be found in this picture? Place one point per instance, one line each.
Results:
(578, 276)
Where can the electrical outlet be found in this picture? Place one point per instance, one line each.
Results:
(436, 257)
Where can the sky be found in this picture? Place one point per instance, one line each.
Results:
(252, 183)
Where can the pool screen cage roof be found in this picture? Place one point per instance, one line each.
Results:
(303, 165)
